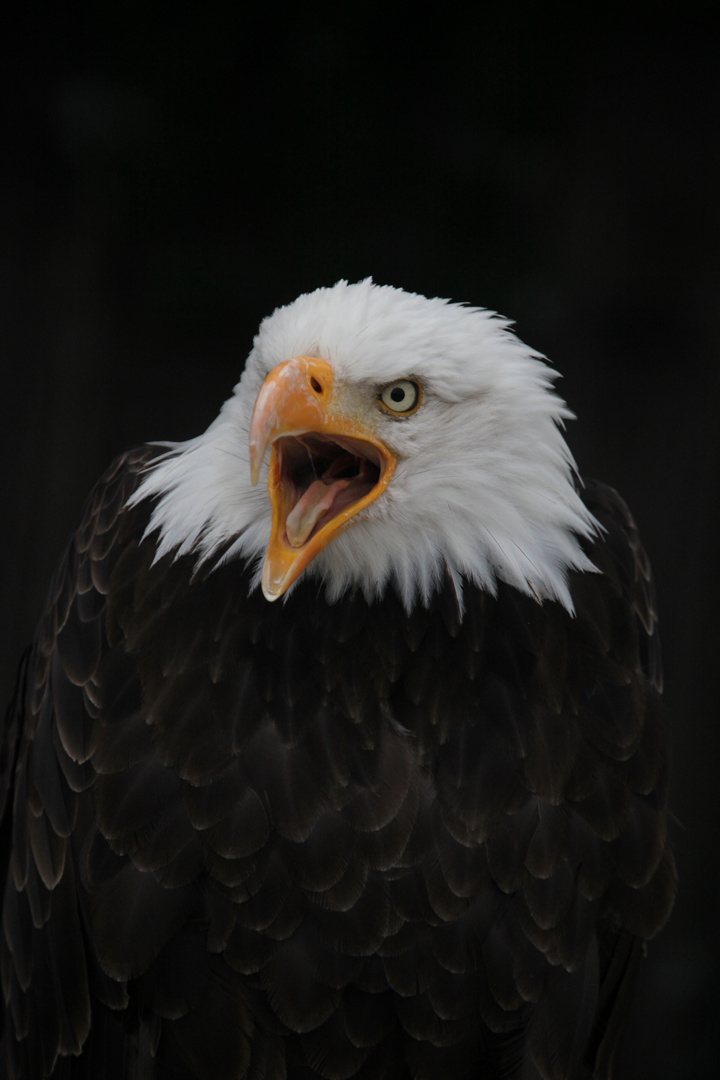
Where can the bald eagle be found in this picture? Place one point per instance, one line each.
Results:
(338, 751)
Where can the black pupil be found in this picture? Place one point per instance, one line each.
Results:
(397, 393)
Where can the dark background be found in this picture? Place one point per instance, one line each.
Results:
(172, 174)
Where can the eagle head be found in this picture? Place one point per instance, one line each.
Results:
(380, 438)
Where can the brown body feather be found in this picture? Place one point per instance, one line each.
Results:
(244, 840)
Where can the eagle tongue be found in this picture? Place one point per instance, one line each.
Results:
(303, 517)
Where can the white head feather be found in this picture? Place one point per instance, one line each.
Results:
(483, 487)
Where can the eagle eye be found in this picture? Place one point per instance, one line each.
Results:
(401, 398)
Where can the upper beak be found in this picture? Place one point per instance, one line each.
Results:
(326, 463)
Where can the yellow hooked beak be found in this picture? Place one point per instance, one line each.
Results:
(326, 463)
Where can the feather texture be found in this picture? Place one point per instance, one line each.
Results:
(351, 839)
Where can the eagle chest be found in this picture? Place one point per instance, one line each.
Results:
(341, 796)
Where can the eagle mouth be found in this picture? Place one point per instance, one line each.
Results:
(327, 463)
(320, 476)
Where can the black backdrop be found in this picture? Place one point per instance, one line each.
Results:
(174, 173)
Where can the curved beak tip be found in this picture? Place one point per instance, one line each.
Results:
(258, 449)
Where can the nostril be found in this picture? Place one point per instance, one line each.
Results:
(317, 386)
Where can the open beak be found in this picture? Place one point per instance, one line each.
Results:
(326, 464)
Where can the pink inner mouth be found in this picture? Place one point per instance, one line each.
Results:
(321, 477)
(311, 506)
